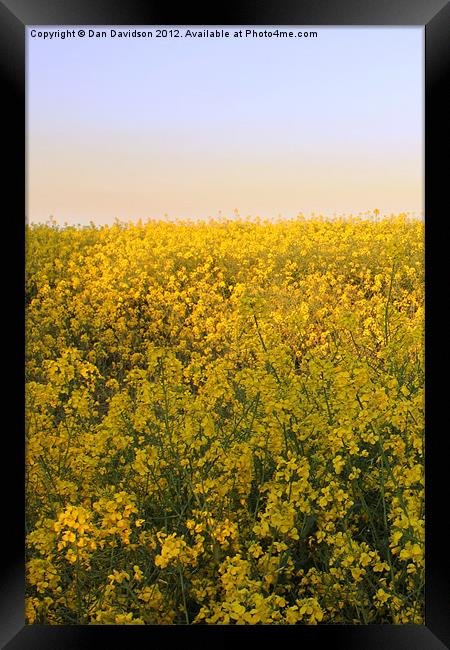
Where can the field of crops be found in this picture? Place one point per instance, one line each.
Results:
(224, 422)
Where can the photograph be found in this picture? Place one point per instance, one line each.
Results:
(224, 325)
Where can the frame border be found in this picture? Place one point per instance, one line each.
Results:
(434, 16)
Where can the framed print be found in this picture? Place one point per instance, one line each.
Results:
(231, 411)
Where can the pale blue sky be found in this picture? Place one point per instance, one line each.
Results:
(135, 128)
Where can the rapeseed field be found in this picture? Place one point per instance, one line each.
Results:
(225, 422)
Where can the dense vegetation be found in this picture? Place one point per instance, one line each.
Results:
(225, 422)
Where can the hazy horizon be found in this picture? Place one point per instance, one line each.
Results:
(139, 129)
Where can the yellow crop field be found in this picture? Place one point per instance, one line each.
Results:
(225, 422)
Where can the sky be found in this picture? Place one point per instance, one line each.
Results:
(184, 128)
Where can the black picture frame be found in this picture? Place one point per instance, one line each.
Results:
(434, 16)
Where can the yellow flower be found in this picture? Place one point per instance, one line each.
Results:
(225, 422)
